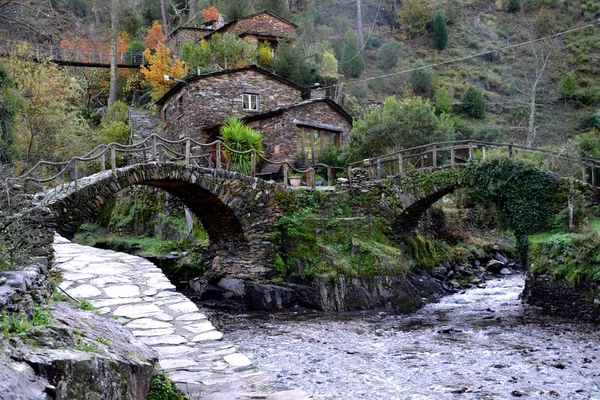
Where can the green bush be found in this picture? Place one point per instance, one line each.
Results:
(473, 102)
(440, 30)
(513, 6)
(569, 86)
(389, 54)
(239, 137)
(590, 95)
(421, 81)
(443, 102)
(352, 63)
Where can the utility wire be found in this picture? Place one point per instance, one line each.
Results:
(368, 36)
(461, 58)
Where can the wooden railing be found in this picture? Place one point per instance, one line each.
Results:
(448, 154)
(45, 175)
(63, 55)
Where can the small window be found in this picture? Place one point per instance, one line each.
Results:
(250, 102)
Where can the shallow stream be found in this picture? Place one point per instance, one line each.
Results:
(480, 344)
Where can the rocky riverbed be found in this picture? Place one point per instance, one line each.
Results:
(477, 344)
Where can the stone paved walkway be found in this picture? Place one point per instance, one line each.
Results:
(137, 294)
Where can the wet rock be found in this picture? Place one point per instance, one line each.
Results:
(516, 393)
(235, 286)
(500, 258)
(19, 382)
(448, 329)
(439, 272)
(494, 266)
(506, 271)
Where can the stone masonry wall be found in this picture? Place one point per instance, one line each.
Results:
(280, 133)
(185, 35)
(20, 289)
(557, 296)
(209, 101)
(261, 23)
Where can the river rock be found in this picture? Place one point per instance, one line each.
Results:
(506, 271)
(495, 266)
(439, 272)
(500, 258)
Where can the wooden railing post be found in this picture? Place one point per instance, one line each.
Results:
(311, 171)
(548, 163)
(188, 147)
(113, 159)
(378, 170)
(153, 148)
(452, 157)
(103, 161)
(329, 176)
(76, 172)
(470, 151)
(400, 164)
(594, 173)
(510, 151)
(482, 153)
(161, 152)
(218, 156)
(434, 155)
(253, 163)
(583, 172)
(285, 174)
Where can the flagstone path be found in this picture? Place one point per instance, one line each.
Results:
(137, 294)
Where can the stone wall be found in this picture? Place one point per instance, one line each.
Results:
(556, 296)
(280, 133)
(261, 23)
(212, 98)
(21, 289)
(185, 35)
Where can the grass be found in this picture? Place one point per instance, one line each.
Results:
(87, 347)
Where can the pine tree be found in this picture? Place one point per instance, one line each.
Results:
(352, 63)
(513, 6)
(473, 102)
(569, 86)
(440, 30)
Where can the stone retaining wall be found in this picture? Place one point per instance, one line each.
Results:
(555, 295)
(21, 289)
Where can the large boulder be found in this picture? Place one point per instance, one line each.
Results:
(81, 356)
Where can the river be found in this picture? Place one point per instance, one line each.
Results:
(480, 344)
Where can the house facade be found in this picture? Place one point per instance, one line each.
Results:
(270, 104)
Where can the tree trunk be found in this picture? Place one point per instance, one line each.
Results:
(163, 10)
(114, 33)
(532, 110)
(191, 10)
(96, 13)
(360, 27)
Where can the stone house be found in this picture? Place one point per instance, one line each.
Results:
(272, 105)
(263, 26)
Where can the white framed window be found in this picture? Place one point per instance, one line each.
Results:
(250, 102)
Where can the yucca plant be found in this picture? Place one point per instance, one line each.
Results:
(240, 137)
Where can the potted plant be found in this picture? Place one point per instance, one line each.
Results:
(295, 180)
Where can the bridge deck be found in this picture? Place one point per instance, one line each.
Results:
(190, 349)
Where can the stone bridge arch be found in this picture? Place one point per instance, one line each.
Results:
(238, 212)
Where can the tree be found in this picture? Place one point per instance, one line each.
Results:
(160, 63)
(389, 54)
(421, 81)
(569, 86)
(473, 102)
(235, 9)
(10, 103)
(114, 125)
(222, 51)
(265, 53)
(291, 64)
(279, 7)
(114, 37)
(47, 126)
(210, 14)
(414, 16)
(352, 63)
(443, 102)
(329, 65)
(239, 137)
(440, 30)
(397, 125)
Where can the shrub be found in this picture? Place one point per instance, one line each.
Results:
(421, 81)
(161, 388)
(414, 16)
(265, 53)
(569, 86)
(389, 54)
(473, 102)
(513, 6)
(590, 95)
(440, 30)
(352, 62)
(443, 102)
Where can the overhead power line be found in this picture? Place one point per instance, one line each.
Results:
(462, 58)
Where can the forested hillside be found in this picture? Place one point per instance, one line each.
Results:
(493, 70)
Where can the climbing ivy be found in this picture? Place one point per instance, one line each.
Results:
(522, 193)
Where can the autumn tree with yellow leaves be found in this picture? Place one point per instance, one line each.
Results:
(160, 62)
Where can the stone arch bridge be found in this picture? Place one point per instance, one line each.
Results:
(240, 212)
